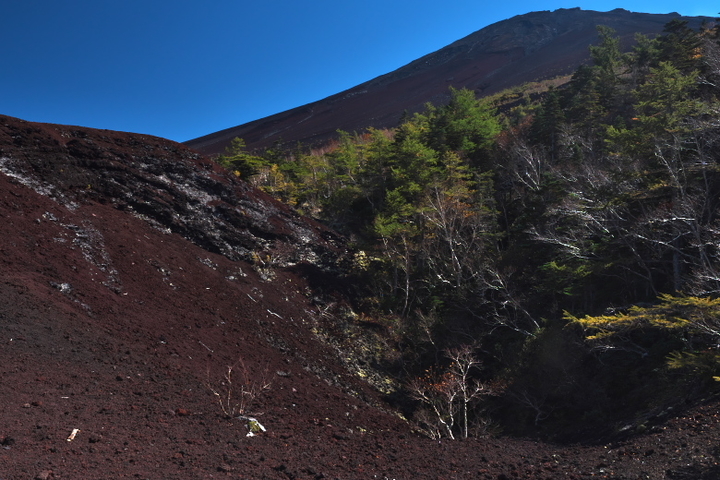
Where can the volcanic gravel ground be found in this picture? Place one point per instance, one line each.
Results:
(113, 327)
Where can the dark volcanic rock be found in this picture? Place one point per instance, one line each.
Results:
(171, 187)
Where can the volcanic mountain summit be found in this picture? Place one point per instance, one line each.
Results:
(530, 47)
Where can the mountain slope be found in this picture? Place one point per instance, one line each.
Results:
(525, 48)
(133, 272)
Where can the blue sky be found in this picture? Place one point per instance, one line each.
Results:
(184, 68)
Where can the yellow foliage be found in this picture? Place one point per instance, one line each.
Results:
(671, 313)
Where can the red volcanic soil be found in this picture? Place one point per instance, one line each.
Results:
(114, 322)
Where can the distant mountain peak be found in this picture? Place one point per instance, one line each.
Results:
(529, 47)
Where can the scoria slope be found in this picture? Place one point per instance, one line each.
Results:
(133, 272)
(530, 47)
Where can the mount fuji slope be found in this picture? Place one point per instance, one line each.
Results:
(530, 47)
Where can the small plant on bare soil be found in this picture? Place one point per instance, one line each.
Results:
(449, 397)
(238, 388)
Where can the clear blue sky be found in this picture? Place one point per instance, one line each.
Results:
(184, 68)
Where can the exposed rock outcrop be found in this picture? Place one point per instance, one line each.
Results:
(170, 186)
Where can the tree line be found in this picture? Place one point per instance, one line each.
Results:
(567, 243)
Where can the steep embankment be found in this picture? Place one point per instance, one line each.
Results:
(535, 46)
(133, 272)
